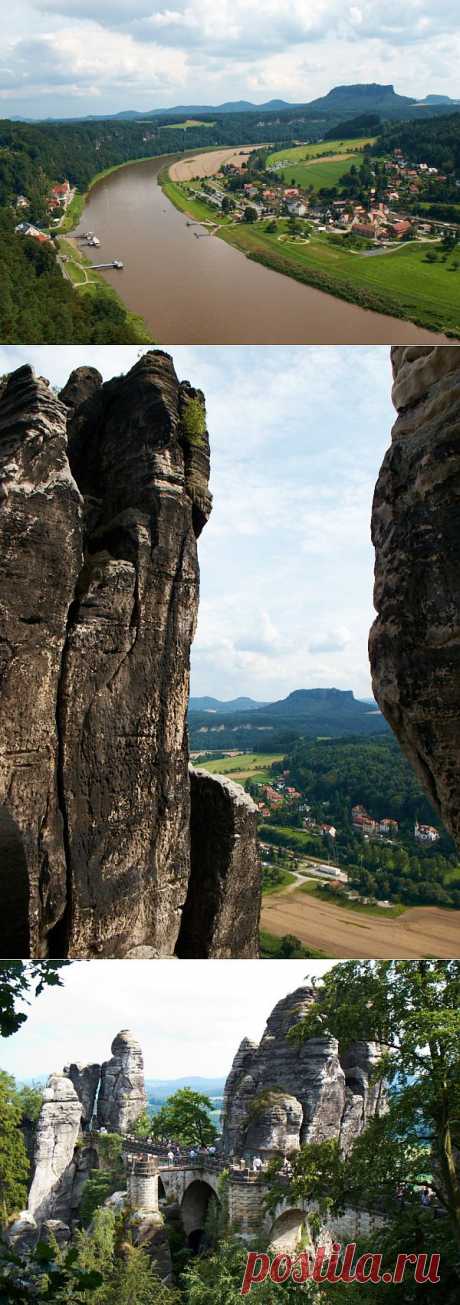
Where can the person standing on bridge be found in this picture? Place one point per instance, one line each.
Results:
(171, 1157)
(256, 1164)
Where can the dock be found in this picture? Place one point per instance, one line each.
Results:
(116, 262)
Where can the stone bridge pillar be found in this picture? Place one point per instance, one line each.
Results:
(143, 1183)
(245, 1207)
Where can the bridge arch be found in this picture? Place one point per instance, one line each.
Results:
(288, 1230)
(198, 1199)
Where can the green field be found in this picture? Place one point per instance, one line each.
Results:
(286, 879)
(302, 170)
(315, 890)
(184, 126)
(288, 836)
(248, 765)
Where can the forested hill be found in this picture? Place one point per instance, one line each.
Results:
(371, 772)
(435, 141)
(37, 306)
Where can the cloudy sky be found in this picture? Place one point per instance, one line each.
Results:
(297, 438)
(189, 1016)
(64, 57)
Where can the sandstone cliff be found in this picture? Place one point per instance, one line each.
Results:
(57, 1132)
(279, 1095)
(415, 640)
(103, 494)
(122, 1096)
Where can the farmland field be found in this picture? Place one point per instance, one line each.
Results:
(421, 931)
(248, 765)
(302, 169)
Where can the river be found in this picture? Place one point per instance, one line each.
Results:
(195, 289)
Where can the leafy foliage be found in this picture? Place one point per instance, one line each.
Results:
(18, 981)
(185, 1117)
(14, 1164)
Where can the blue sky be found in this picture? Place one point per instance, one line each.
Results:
(64, 57)
(189, 1016)
(297, 437)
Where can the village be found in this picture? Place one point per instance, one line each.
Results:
(58, 200)
(381, 216)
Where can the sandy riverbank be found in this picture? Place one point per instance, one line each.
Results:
(421, 931)
(206, 165)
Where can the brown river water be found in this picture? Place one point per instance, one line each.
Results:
(194, 289)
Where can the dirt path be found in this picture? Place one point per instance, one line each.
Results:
(206, 165)
(421, 931)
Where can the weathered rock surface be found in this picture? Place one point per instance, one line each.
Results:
(85, 1079)
(415, 641)
(122, 1096)
(103, 493)
(221, 912)
(280, 1095)
(41, 551)
(57, 1132)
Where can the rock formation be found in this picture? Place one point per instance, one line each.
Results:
(103, 493)
(85, 1079)
(279, 1095)
(122, 1096)
(224, 893)
(415, 640)
(57, 1132)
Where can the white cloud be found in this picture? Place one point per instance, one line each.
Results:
(189, 1016)
(195, 50)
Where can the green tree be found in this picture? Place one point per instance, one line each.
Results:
(411, 1010)
(19, 981)
(250, 214)
(143, 1125)
(14, 1164)
(134, 1280)
(185, 1117)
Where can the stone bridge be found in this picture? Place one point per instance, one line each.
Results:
(194, 1184)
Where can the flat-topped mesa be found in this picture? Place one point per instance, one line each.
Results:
(41, 549)
(103, 493)
(122, 1097)
(415, 641)
(280, 1095)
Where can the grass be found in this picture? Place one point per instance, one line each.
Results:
(300, 166)
(249, 765)
(286, 878)
(315, 890)
(271, 945)
(288, 836)
(87, 281)
(400, 283)
(190, 122)
(181, 195)
(452, 876)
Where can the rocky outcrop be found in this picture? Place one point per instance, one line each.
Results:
(57, 1132)
(415, 640)
(280, 1095)
(85, 1079)
(222, 907)
(103, 494)
(122, 1096)
(41, 551)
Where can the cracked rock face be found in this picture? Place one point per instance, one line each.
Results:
(415, 640)
(57, 1132)
(221, 913)
(122, 1097)
(103, 493)
(85, 1079)
(279, 1095)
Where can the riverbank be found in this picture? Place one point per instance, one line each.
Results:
(404, 285)
(80, 272)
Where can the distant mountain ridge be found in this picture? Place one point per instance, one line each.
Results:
(322, 713)
(343, 100)
(232, 704)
